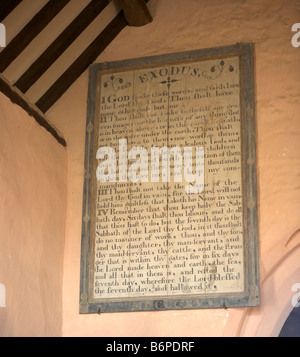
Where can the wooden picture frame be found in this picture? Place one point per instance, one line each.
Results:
(202, 249)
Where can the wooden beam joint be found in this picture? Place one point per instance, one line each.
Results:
(136, 12)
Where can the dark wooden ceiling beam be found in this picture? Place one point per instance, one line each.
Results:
(18, 98)
(6, 7)
(136, 12)
(64, 40)
(30, 31)
(82, 63)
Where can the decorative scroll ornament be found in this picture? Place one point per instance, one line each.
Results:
(116, 83)
(216, 71)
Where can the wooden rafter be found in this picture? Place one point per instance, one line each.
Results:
(136, 12)
(17, 98)
(82, 63)
(6, 7)
(50, 55)
(30, 31)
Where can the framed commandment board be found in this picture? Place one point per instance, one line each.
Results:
(169, 204)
